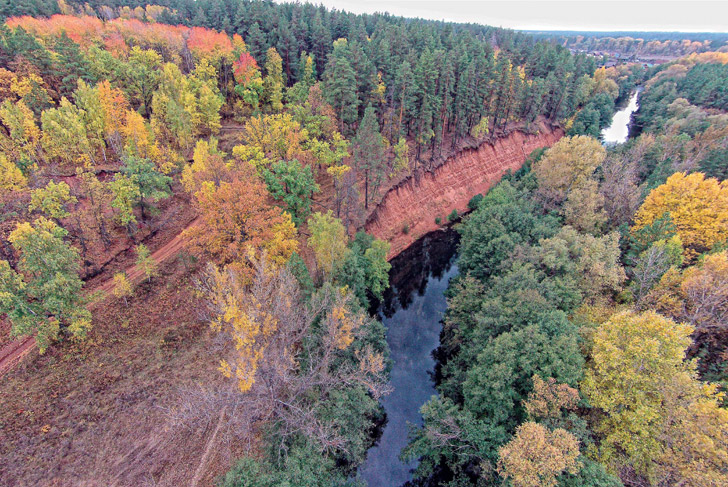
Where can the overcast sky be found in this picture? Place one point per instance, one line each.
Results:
(599, 15)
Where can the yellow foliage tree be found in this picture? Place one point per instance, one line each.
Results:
(698, 295)
(328, 240)
(236, 223)
(654, 404)
(535, 457)
(122, 287)
(207, 165)
(52, 199)
(568, 164)
(271, 138)
(698, 207)
(24, 133)
(267, 319)
(11, 177)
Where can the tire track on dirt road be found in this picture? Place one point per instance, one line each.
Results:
(14, 352)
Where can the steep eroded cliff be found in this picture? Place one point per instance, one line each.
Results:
(408, 210)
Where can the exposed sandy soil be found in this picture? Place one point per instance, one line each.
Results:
(410, 208)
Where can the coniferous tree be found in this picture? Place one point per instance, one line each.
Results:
(369, 152)
(340, 85)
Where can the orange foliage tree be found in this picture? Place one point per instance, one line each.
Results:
(236, 224)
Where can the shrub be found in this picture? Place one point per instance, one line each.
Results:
(475, 201)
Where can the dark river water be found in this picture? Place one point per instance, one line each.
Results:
(411, 311)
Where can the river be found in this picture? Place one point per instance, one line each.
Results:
(618, 130)
(411, 310)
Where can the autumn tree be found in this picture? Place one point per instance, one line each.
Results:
(185, 106)
(584, 208)
(401, 161)
(568, 164)
(52, 200)
(236, 224)
(64, 135)
(12, 178)
(338, 174)
(273, 81)
(208, 165)
(536, 457)
(271, 138)
(698, 207)
(651, 398)
(278, 379)
(696, 295)
(122, 287)
(549, 398)
(125, 195)
(92, 214)
(593, 261)
(146, 262)
(249, 81)
(328, 240)
(43, 296)
(24, 134)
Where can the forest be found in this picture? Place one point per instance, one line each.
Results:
(184, 188)
(584, 341)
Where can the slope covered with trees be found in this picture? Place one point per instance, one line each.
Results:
(584, 342)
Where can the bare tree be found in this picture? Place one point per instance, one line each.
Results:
(287, 355)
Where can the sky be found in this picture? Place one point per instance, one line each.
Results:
(592, 15)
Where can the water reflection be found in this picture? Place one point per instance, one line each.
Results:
(429, 257)
(618, 130)
(411, 311)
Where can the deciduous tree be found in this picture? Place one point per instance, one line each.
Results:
(146, 262)
(294, 185)
(122, 287)
(236, 223)
(567, 165)
(536, 457)
(651, 399)
(328, 240)
(697, 206)
(52, 200)
(273, 81)
(43, 296)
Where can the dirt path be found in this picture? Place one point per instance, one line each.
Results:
(135, 274)
(13, 353)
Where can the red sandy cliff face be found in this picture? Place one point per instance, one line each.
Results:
(416, 202)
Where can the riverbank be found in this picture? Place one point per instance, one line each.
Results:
(411, 209)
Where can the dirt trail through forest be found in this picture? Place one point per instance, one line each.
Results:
(14, 352)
